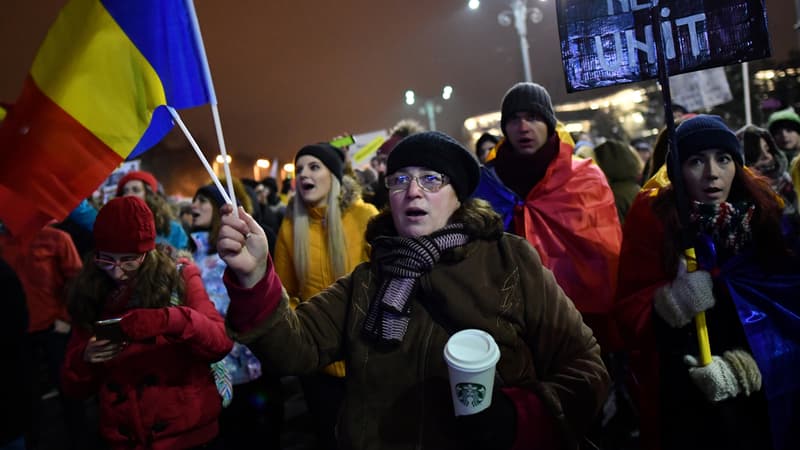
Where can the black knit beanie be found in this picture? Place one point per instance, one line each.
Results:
(328, 154)
(211, 192)
(703, 132)
(528, 97)
(438, 151)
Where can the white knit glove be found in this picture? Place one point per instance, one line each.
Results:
(746, 370)
(688, 294)
(727, 376)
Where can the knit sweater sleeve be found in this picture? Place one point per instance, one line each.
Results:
(250, 307)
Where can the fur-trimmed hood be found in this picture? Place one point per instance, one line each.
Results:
(481, 221)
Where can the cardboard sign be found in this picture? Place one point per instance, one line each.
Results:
(610, 42)
(365, 147)
(701, 90)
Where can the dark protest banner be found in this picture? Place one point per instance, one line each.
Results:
(609, 42)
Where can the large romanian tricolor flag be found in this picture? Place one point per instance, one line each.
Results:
(95, 96)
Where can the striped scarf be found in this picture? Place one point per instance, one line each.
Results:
(727, 224)
(401, 261)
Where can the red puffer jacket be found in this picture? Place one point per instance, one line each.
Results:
(157, 393)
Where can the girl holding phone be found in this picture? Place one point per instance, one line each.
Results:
(154, 384)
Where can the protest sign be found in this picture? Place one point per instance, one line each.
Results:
(610, 42)
(701, 90)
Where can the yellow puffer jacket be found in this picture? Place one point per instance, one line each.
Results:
(355, 215)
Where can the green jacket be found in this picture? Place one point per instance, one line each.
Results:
(399, 397)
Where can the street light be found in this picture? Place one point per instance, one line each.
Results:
(261, 164)
(429, 108)
(518, 15)
(217, 165)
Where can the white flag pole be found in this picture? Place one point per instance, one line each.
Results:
(212, 99)
(273, 170)
(199, 153)
(748, 115)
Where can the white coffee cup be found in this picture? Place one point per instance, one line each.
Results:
(471, 357)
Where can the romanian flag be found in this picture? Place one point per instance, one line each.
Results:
(96, 96)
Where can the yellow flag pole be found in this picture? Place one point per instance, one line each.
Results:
(677, 177)
(700, 319)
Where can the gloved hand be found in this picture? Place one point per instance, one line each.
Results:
(688, 294)
(495, 427)
(727, 376)
(145, 323)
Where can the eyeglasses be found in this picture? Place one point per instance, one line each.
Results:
(428, 182)
(128, 263)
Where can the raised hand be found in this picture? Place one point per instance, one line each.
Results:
(243, 246)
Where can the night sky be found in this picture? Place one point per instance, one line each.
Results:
(288, 73)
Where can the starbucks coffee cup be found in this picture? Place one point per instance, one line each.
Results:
(471, 357)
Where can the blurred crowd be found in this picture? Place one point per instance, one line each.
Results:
(603, 226)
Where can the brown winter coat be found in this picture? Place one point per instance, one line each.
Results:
(398, 397)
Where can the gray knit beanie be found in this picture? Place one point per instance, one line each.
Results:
(528, 97)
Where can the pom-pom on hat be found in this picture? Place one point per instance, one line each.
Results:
(528, 97)
(331, 156)
(145, 177)
(703, 132)
(438, 151)
(125, 225)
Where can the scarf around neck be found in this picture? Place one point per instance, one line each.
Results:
(521, 173)
(401, 261)
(727, 224)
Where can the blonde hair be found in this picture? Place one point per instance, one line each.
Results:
(333, 223)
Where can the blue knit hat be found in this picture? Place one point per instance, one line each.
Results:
(703, 132)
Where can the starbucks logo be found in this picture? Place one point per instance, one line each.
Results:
(470, 394)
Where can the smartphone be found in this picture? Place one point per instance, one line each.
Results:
(109, 329)
(343, 141)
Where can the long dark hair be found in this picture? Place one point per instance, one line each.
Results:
(154, 283)
(770, 246)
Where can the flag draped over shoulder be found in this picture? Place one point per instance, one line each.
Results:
(95, 96)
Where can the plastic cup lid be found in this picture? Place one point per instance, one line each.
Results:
(471, 350)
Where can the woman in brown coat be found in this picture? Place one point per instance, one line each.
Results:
(440, 263)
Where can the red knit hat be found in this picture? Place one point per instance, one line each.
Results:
(145, 177)
(125, 225)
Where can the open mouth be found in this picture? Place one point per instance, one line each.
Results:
(415, 212)
(306, 186)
